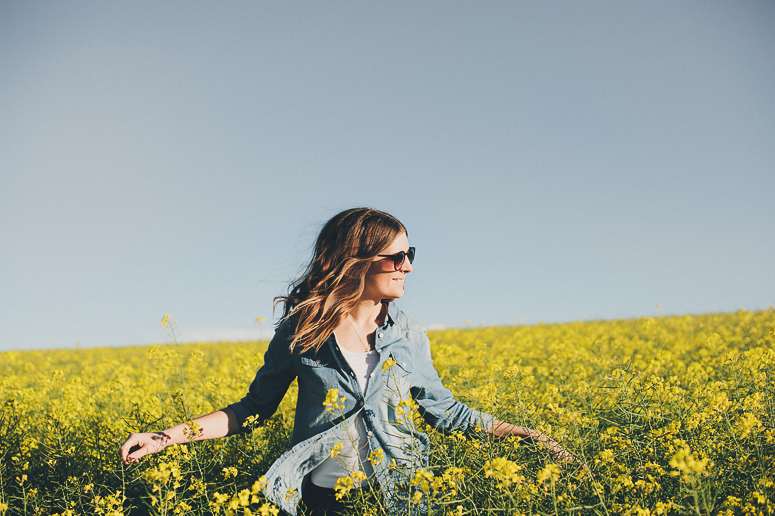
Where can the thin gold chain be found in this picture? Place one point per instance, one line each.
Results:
(365, 346)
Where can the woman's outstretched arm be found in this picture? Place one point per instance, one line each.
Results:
(266, 392)
(212, 426)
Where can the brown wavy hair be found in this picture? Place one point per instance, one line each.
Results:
(334, 279)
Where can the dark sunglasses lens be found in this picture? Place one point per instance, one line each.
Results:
(399, 257)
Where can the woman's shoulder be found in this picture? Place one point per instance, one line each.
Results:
(405, 322)
(287, 324)
(284, 330)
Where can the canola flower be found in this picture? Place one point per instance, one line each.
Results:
(345, 484)
(504, 471)
(337, 449)
(674, 415)
(333, 401)
(387, 364)
(687, 465)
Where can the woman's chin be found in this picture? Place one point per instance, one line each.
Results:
(388, 299)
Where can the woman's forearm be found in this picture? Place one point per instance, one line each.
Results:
(502, 429)
(211, 426)
(215, 424)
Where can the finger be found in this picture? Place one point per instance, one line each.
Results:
(141, 452)
(131, 442)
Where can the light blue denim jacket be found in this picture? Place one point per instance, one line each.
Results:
(316, 430)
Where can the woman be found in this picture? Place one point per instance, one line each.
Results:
(363, 368)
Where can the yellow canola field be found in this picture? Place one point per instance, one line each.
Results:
(673, 415)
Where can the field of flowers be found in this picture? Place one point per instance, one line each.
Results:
(673, 415)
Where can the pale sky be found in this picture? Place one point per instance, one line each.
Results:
(553, 161)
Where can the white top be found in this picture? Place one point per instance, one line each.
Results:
(355, 446)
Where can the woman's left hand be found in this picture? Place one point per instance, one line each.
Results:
(559, 453)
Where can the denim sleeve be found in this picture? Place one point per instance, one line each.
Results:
(438, 406)
(271, 381)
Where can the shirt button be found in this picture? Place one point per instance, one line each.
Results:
(370, 433)
(379, 335)
(360, 403)
(378, 350)
(371, 375)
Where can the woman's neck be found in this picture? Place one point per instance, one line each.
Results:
(367, 313)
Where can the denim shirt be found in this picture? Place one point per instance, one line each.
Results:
(405, 372)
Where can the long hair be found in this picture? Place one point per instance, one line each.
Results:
(334, 279)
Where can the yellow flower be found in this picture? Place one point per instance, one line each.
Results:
(268, 509)
(343, 486)
(605, 457)
(425, 481)
(551, 473)
(376, 457)
(387, 364)
(504, 471)
(331, 401)
(218, 499)
(687, 465)
(407, 406)
(747, 423)
(259, 484)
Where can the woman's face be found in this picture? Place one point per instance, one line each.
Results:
(383, 281)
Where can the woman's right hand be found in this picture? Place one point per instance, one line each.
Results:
(139, 445)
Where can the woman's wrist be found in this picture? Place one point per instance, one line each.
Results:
(174, 435)
(163, 440)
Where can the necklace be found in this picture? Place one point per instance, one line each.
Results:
(366, 347)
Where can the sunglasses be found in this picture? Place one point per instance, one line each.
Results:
(398, 258)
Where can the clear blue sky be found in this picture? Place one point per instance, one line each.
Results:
(553, 161)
